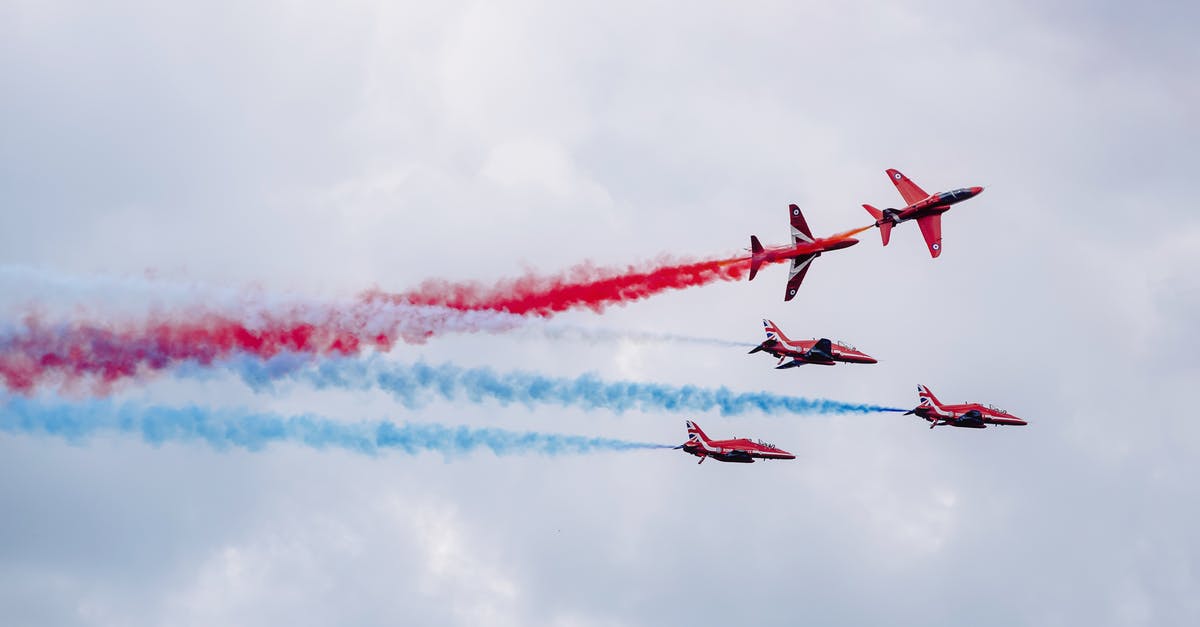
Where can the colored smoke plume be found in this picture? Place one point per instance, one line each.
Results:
(418, 383)
(224, 429)
(583, 287)
(99, 354)
(73, 354)
(600, 334)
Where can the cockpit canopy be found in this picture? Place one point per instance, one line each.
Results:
(996, 409)
(840, 343)
(766, 444)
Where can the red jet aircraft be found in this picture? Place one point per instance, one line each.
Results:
(969, 415)
(927, 210)
(803, 250)
(741, 450)
(802, 352)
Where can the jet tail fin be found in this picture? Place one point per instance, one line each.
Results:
(694, 430)
(927, 397)
(756, 249)
(773, 331)
(885, 226)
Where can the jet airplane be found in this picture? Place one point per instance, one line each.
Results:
(822, 351)
(803, 250)
(925, 208)
(969, 415)
(739, 450)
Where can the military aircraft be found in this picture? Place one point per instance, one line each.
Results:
(822, 351)
(802, 251)
(740, 450)
(969, 415)
(926, 209)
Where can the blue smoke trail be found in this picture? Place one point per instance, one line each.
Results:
(225, 429)
(416, 383)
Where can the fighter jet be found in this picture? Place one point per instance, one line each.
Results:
(969, 415)
(740, 450)
(822, 351)
(926, 209)
(803, 250)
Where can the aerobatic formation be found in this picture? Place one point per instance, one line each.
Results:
(272, 346)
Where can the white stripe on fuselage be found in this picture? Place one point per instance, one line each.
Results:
(695, 437)
(933, 407)
(721, 450)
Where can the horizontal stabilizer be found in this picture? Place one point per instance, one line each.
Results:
(756, 249)
(885, 226)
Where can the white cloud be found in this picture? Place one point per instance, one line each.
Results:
(317, 150)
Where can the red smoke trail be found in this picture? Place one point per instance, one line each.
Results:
(102, 354)
(584, 286)
(106, 355)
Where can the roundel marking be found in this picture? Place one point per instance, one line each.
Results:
(896, 176)
(792, 292)
(795, 212)
(936, 246)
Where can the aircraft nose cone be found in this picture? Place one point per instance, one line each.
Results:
(975, 191)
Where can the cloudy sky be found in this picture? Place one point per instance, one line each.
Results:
(306, 151)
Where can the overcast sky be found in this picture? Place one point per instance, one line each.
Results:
(313, 150)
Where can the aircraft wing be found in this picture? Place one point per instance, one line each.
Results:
(800, 232)
(796, 277)
(823, 349)
(908, 189)
(931, 228)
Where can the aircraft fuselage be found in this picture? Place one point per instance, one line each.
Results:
(967, 415)
(731, 451)
(802, 351)
(802, 249)
(931, 205)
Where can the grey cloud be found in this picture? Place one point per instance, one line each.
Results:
(320, 151)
